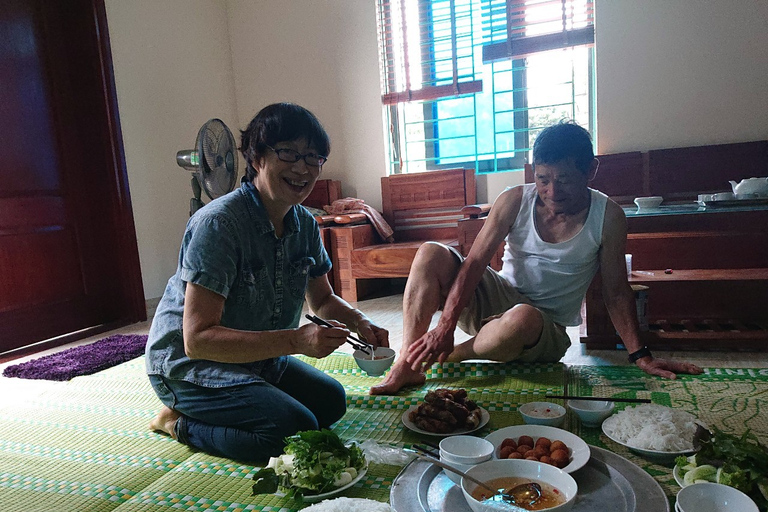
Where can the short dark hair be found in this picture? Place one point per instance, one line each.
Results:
(281, 122)
(563, 141)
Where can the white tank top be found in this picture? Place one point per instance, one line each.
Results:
(554, 276)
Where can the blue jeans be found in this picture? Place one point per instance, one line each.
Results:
(249, 422)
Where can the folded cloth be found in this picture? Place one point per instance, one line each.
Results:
(354, 205)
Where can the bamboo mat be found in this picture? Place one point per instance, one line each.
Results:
(731, 399)
(84, 445)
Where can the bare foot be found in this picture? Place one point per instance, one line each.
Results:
(165, 421)
(401, 376)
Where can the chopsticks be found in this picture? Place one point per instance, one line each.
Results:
(356, 342)
(602, 399)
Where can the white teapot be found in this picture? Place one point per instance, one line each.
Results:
(751, 187)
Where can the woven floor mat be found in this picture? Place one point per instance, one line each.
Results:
(730, 399)
(84, 445)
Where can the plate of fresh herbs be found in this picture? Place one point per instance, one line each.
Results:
(738, 461)
(316, 464)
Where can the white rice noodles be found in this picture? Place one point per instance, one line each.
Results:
(653, 427)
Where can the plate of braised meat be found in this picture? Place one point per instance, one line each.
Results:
(445, 412)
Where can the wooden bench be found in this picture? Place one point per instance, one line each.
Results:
(419, 207)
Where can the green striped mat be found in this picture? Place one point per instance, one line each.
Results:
(84, 445)
(728, 398)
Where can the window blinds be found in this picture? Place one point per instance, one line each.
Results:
(426, 50)
(534, 26)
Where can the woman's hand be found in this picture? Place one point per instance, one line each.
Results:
(372, 333)
(319, 341)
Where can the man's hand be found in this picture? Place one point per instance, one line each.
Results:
(435, 345)
(372, 333)
(665, 368)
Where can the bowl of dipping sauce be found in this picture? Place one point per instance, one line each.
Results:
(542, 413)
(376, 364)
(558, 488)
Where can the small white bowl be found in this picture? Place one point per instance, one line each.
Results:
(542, 413)
(645, 203)
(710, 497)
(453, 477)
(526, 469)
(383, 359)
(592, 413)
(465, 449)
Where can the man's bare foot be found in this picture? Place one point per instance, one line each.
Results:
(165, 421)
(401, 376)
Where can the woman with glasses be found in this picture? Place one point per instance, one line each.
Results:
(220, 345)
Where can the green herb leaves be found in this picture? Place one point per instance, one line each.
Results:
(313, 462)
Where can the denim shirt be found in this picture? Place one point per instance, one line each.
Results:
(230, 248)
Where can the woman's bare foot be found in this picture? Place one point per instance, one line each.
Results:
(165, 421)
(401, 376)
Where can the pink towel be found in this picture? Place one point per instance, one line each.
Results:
(353, 205)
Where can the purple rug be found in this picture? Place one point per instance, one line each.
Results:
(82, 360)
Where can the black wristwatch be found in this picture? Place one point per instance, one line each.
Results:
(643, 352)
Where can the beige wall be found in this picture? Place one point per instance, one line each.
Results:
(680, 73)
(173, 72)
(669, 73)
(323, 56)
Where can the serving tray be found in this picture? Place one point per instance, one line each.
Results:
(608, 483)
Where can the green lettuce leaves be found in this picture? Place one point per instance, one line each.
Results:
(313, 462)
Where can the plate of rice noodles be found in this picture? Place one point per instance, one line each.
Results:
(654, 431)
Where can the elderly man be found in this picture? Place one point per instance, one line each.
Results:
(558, 233)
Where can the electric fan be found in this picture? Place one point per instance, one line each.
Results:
(213, 162)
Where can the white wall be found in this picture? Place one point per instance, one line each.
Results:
(173, 72)
(323, 55)
(680, 73)
(669, 73)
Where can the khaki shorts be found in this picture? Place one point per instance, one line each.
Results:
(495, 295)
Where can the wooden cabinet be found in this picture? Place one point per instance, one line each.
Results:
(707, 278)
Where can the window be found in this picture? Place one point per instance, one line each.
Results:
(470, 83)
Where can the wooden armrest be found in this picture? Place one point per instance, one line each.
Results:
(324, 220)
(350, 218)
(474, 211)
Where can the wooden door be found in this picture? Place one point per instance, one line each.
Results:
(68, 255)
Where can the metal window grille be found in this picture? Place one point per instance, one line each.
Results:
(471, 82)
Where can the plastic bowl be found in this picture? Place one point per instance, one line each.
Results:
(465, 449)
(644, 203)
(542, 413)
(525, 469)
(710, 497)
(592, 413)
(383, 359)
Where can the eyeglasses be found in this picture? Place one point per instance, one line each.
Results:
(289, 155)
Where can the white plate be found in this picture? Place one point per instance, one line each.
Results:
(678, 476)
(655, 455)
(484, 418)
(317, 497)
(579, 449)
